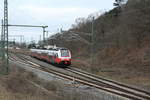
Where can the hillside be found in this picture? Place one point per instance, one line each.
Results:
(121, 43)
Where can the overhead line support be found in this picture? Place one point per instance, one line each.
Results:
(44, 27)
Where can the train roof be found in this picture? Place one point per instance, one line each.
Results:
(54, 49)
(57, 48)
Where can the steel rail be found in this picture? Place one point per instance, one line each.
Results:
(114, 84)
(85, 82)
(103, 82)
(118, 87)
(97, 85)
(108, 80)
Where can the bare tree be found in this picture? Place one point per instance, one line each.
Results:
(118, 3)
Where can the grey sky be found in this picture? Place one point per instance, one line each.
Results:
(54, 13)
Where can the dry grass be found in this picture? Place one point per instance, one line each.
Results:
(17, 86)
(22, 85)
(130, 66)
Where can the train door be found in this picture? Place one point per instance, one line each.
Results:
(55, 57)
(52, 58)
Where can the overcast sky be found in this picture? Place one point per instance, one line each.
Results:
(54, 13)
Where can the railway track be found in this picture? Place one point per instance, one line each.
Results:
(91, 80)
(112, 84)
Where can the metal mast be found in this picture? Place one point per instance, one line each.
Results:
(92, 44)
(6, 31)
(2, 54)
(44, 27)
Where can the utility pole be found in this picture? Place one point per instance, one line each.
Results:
(44, 33)
(4, 39)
(40, 38)
(61, 30)
(92, 44)
(6, 34)
(14, 41)
(19, 36)
(46, 38)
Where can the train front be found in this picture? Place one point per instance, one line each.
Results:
(64, 57)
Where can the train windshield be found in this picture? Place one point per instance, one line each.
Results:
(64, 53)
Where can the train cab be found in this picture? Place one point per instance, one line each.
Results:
(57, 55)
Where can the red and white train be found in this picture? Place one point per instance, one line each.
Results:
(55, 55)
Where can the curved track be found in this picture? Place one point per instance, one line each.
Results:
(89, 79)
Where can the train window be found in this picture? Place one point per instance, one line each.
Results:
(56, 55)
(64, 53)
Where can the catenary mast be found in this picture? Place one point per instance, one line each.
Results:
(6, 32)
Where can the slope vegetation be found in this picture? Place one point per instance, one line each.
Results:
(121, 43)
